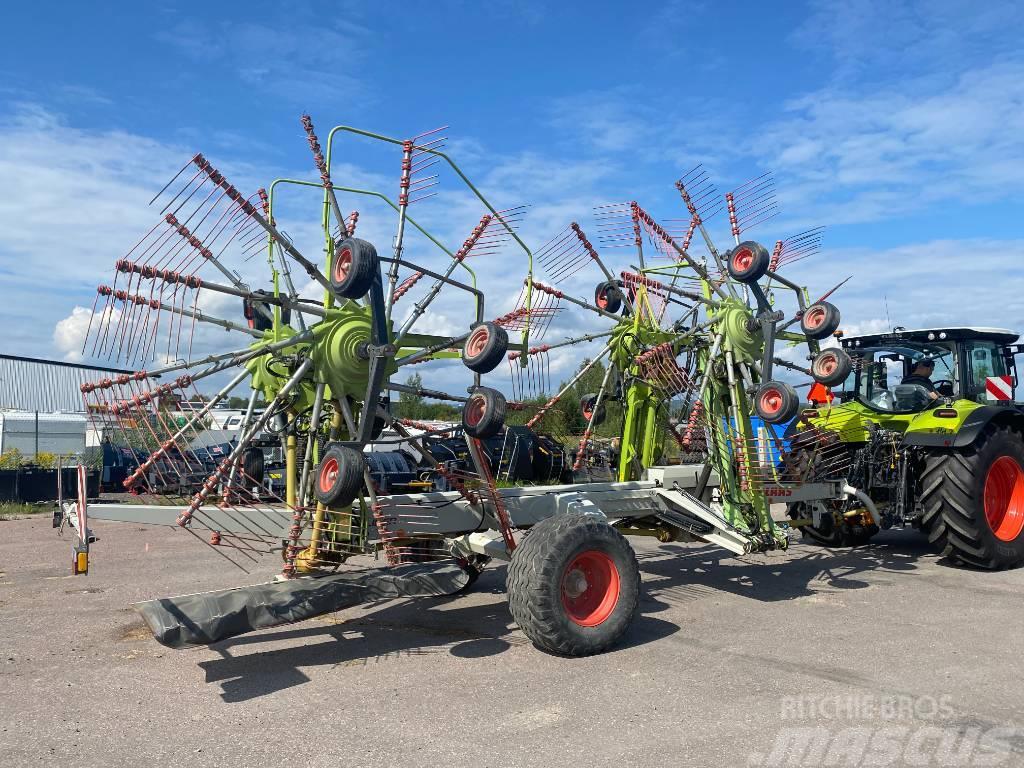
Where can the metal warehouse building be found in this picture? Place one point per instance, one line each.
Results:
(41, 406)
(47, 386)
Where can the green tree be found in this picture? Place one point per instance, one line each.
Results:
(241, 403)
(411, 405)
(566, 417)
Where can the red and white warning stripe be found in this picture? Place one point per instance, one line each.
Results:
(80, 507)
(999, 388)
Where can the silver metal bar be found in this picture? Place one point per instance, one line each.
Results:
(572, 382)
(314, 426)
(236, 357)
(253, 396)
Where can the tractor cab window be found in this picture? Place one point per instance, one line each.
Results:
(985, 359)
(892, 379)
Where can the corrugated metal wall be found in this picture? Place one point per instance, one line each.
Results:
(30, 384)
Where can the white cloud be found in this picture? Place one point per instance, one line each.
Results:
(931, 284)
(69, 334)
(882, 154)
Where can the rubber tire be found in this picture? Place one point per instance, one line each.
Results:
(789, 407)
(760, 260)
(534, 583)
(587, 404)
(349, 482)
(364, 267)
(841, 535)
(826, 326)
(608, 296)
(253, 465)
(838, 375)
(490, 422)
(493, 351)
(952, 499)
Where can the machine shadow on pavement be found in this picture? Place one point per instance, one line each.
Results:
(403, 629)
(672, 575)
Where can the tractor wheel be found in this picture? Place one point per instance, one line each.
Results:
(355, 265)
(587, 403)
(748, 262)
(973, 500)
(485, 348)
(608, 296)
(483, 415)
(573, 584)
(339, 476)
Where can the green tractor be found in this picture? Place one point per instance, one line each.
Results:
(924, 426)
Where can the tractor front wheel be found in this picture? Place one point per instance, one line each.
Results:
(573, 584)
(973, 500)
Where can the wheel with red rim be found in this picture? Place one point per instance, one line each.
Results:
(354, 267)
(820, 320)
(1004, 498)
(831, 367)
(776, 402)
(748, 262)
(483, 414)
(608, 296)
(573, 584)
(485, 347)
(590, 588)
(339, 476)
(972, 499)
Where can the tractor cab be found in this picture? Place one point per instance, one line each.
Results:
(905, 372)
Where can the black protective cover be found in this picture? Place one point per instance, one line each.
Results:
(208, 617)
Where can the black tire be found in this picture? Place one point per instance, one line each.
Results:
(776, 402)
(253, 466)
(831, 367)
(587, 407)
(835, 534)
(820, 320)
(485, 348)
(483, 415)
(608, 296)
(354, 268)
(958, 487)
(545, 572)
(748, 262)
(339, 476)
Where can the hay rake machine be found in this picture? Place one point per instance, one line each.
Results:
(688, 347)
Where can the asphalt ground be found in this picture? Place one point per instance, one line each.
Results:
(884, 655)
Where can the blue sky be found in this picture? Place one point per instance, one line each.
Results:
(897, 125)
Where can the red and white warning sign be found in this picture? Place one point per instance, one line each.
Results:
(999, 388)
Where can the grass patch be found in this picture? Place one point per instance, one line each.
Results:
(12, 510)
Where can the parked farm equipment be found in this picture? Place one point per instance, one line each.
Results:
(689, 347)
(943, 453)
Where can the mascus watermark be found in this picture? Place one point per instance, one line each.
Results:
(870, 730)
